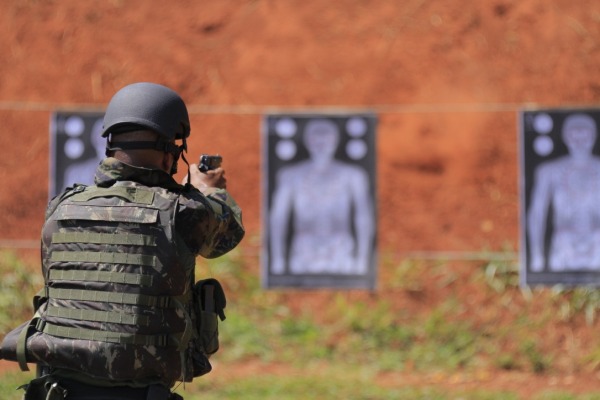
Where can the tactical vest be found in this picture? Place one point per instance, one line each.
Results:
(118, 294)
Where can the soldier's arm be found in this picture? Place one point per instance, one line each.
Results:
(209, 218)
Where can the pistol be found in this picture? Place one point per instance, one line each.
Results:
(209, 162)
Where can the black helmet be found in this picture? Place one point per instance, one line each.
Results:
(149, 105)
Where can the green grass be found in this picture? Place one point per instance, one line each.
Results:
(10, 381)
(339, 384)
(338, 346)
(18, 285)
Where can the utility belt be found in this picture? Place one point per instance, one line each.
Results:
(51, 388)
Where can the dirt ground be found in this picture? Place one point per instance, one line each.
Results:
(446, 78)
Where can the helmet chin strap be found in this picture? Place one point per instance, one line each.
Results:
(160, 145)
(174, 168)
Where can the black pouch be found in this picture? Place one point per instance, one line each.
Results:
(209, 305)
(159, 392)
(43, 388)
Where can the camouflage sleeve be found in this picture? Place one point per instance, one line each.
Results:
(210, 222)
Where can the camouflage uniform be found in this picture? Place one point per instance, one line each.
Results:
(119, 305)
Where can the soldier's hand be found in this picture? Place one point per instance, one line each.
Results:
(214, 178)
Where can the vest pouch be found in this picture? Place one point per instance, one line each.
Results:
(209, 305)
(208, 332)
(200, 363)
(43, 388)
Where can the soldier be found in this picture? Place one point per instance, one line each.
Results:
(120, 316)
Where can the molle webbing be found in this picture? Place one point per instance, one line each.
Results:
(131, 194)
(111, 297)
(100, 257)
(105, 336)
(104, 238)
(98, 316)
(114, 214)
(101, 276)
